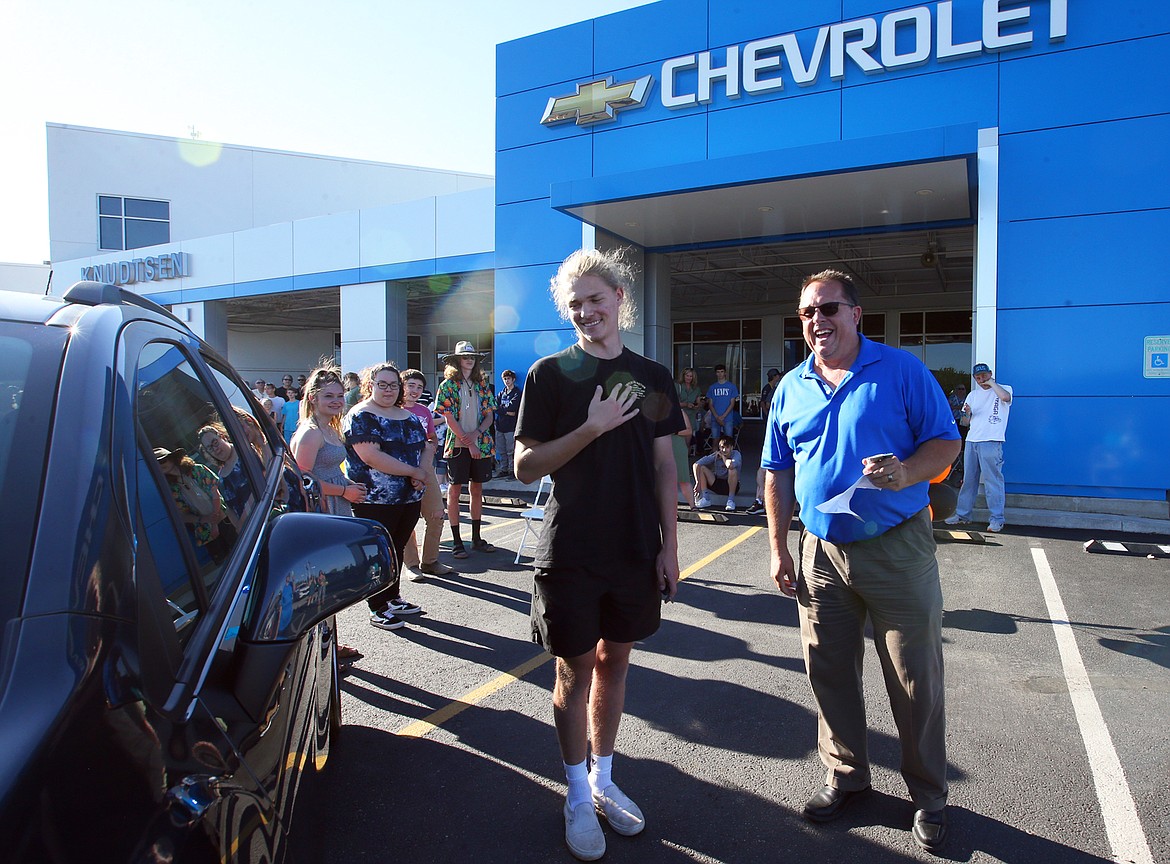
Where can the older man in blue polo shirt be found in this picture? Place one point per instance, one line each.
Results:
(855, 434)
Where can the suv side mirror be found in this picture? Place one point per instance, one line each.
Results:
(312, 566)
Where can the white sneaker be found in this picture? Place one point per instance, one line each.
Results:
(703, 502)
(730, 508)
(955, 520)
(414, 574)
(995, 527)
(583, 833)
(622, 814)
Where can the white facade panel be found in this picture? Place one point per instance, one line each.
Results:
(326, 243)
(264, 253)
(215, 188)
(466, 223)
(213, 262)
(398, 232)
(29, 278)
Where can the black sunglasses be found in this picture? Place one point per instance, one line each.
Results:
(826, 309)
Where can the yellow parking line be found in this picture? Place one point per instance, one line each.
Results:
(421, 727)
(433, 721)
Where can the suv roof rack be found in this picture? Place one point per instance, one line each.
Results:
(90, 293)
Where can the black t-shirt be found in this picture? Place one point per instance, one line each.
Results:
(603, 503)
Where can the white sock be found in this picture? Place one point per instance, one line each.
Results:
(578, 777)
(601, 774)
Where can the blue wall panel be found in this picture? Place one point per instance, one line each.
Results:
(776, 124)
(524, 291)
(637, 147)
(1112, 82)
(518, 351)
(1078, 260)
(1101, 22)
(650, 33)
(1105, 446)
(545, 58)
(532, 233)
(1077, 351)
(966, 95)
(747, 20)
(1100, 168)
(525, 173)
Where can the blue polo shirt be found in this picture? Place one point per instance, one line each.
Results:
(889, 402)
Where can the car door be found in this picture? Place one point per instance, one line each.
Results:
(194, 557)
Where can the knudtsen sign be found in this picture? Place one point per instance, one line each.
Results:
(153, 268)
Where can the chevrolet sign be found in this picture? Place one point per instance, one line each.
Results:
(596, 101)
(897, 40)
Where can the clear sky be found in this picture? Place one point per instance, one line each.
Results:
(405, 81)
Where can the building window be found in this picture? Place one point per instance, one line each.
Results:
(735, 343)
(941, 340)
(131, 223)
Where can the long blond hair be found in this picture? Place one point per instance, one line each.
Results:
(611, 267)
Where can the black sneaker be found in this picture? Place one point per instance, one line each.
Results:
(756, 508)
(398, 606)
(386, 620)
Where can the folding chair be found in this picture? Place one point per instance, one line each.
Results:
(535, 513)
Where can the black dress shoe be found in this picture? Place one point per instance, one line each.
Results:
(930, 829)
(829, 802)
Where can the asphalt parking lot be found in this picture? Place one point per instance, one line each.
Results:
(1057, 721)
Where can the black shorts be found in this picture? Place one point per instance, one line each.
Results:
(719, 486)
(461, 468)
(574, 607)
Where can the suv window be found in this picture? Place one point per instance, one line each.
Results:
(30, 361)
(194, 479)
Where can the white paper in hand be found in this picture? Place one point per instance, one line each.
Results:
(843, 502)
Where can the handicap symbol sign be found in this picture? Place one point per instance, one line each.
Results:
(1160, 361)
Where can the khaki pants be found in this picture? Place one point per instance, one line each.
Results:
(432, 500)
(893, 580)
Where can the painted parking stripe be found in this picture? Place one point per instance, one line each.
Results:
(1122, 825)
(432, 721)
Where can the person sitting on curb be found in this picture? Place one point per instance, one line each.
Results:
(718, 472)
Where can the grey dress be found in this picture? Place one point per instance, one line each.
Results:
(327, 468)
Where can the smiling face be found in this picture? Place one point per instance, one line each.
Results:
(329, 401)
(412, 390)
(833, 339)
(385, 391)
(593, 311)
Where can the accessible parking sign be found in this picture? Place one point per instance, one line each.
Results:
(1157, 352)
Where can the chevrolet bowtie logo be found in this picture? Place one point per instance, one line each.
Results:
(596, 101)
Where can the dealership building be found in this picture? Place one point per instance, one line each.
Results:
(993, 173)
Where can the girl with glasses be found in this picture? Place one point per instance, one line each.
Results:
(386, 451)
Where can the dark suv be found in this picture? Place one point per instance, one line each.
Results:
(168, 662)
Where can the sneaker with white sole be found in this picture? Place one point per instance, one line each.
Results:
(730, 507)
(955, 520)
(995, 527)
(756, 508)
(703, 502)
(622, 814)
(398, 606)
(414, 574)
(386, 620)
(583, 833)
